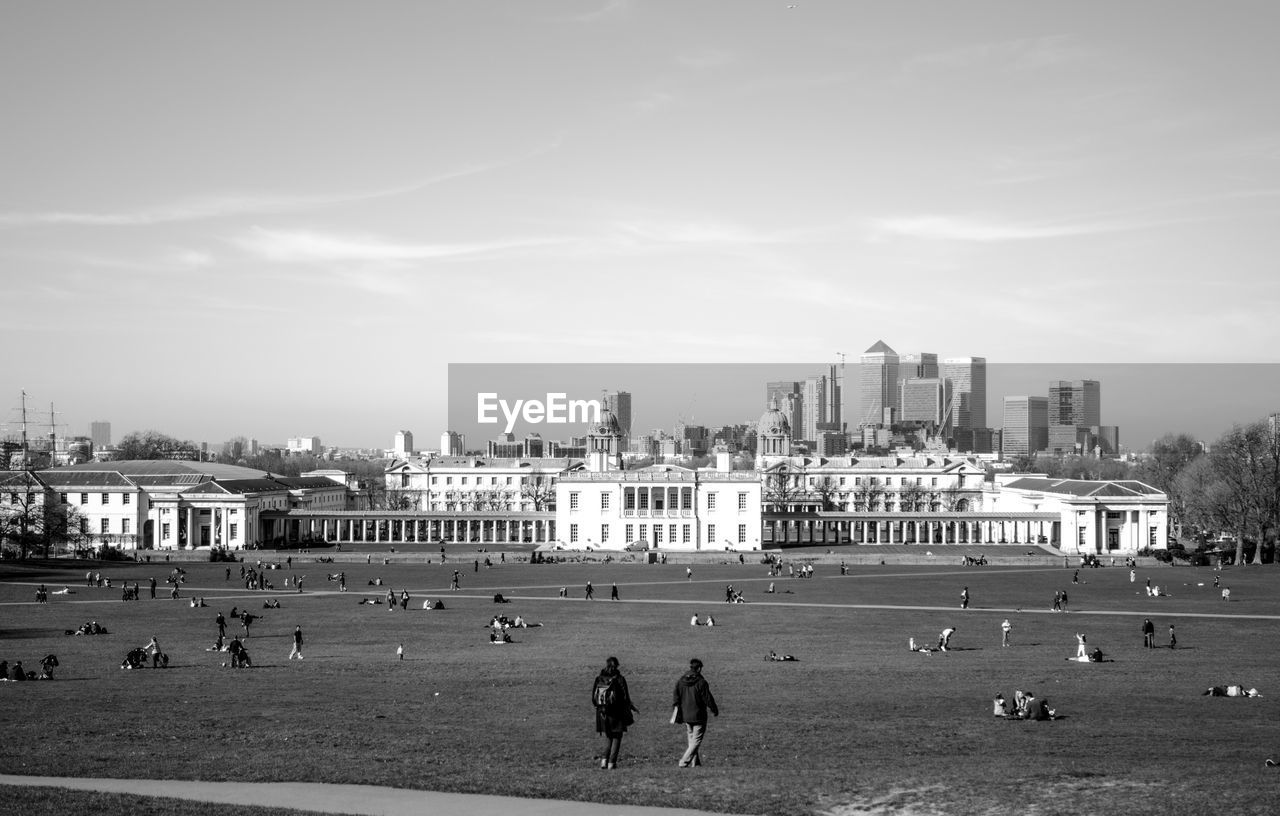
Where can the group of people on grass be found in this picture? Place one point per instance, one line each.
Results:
(16, 673)
(1025, 706)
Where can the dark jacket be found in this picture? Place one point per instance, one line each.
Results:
(692, 700)
(1037, 709)
(615, 718)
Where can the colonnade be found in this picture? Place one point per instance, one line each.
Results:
(391, 528)
(818, 530)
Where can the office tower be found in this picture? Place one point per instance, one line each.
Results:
(1077, 403)
(814, 407)
(778, 392)
(878, 385)
(921, 365)
(620, 403)
(833, 410)
(924, 400)
(404, 444)
(1026, 426)
(100, 434)
(968, 376)
(451, 444)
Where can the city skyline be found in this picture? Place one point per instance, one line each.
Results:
(303, 239)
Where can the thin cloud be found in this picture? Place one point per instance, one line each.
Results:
(224, 206)
(974, 230)
(609, 9)
(1024, 54)
(306, 246)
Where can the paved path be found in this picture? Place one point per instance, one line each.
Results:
(364, 800)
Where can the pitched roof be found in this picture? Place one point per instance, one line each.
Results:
(64, 478)
(236, 486)
(310, 483)
(880, 348)
(1084, 488)
(166, 467)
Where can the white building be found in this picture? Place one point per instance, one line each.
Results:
(403, 446)
(468, 484)
(1098, 518)
(664, 506)
(305, 444)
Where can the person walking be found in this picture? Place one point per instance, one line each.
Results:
(688, 573)
(1133, 575)
(692, 699)
(612, 701)
(1148, 634)
(613, 592)
(1173, 638)
(297, 643)
(591, 592)
(222, 626)
(455, 586)
(964, 598)
(1005, 629)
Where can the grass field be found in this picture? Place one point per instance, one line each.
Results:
(857, 725)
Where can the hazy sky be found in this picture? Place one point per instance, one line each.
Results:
(280, 219)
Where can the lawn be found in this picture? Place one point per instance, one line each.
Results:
(858, 724)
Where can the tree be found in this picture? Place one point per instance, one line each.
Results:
(155, 445)
(825, 490)
(912, 498)
(30, 520)
(1236, 488)
(1168, 458)
(540, 491)
(782, 487)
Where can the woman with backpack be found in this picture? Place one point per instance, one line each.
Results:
(612, 701)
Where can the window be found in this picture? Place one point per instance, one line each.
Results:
(919, 481)
(573, 500)
(435, 480)
(644, 532)
(742, 501)
(233, 530)
(464, 480)
(448, 480)
(62, 498)
(84, 498)
(573, 534)
(105, 525)
(857, 480)
(671, 533)
(604, 501)
(644, 499)
(164, 531)
(875, 480)
(126, 498)
(604, 533)
(508, 480)
(106, 498)
(657, 534)
(232, 511)
(124, 526)
(685, 534)
(630, 533)
(711, 534)
(742, 534)
(842, 481)
(1152, 540)
(933, 481)
(84, 525)
(711, 501)
(404, 479)
(1084, 536)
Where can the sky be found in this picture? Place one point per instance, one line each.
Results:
(289, 218)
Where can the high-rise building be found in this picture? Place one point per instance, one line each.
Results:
(968, 376)
(305, 444)
(452, 444)
(814, 407)
(620, 403)
(924, 400)
(100, 434)
(1026, 426)
(404, 444)
(878, 385)
(1077, 403)
(921, 365)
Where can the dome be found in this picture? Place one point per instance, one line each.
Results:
(607, 424)
(773, 422)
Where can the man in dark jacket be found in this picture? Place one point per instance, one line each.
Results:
(692, 700)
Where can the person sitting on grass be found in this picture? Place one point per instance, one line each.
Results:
(781, 658)
(274, 603)
(1037, 709)
(47, 666)
(999, 707)
(134, 659)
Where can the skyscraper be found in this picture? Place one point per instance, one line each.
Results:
(403, 443)
(968, 376)
(821, 405)
(921, 365)
(100, 433)
(1026, 426)
(924, 400)
(620, 404)
(878, 385)
(1077, 403)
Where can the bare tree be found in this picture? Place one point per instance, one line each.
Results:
(31, 521)
(540, 491)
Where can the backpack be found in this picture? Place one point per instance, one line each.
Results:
(605, 694)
